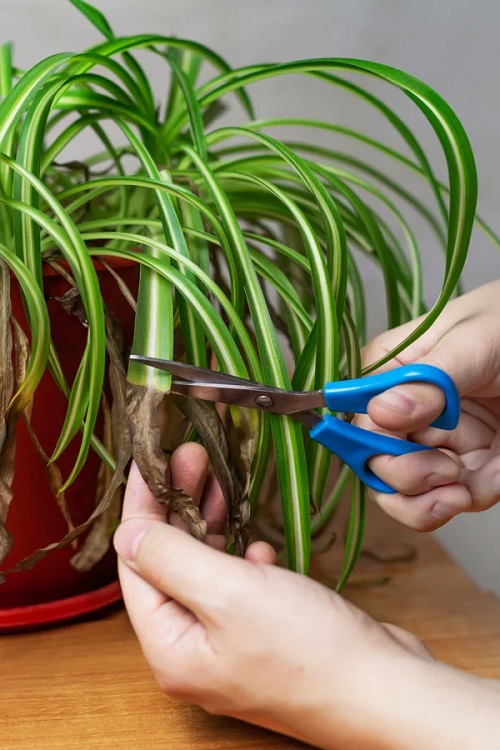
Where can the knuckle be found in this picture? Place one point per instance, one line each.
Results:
(399, 472)
(170, 683)
(400, 508)
(180, 681)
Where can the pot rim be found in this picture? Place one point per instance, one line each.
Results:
(33, 616)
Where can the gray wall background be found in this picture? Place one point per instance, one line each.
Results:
(450, 44)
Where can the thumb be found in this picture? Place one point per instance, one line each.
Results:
(176, 564)
(409, 407)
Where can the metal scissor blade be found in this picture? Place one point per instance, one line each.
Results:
(195, 374)
(254, 396)
(209, 385)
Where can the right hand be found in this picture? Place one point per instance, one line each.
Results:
(247, 639)
(463, 474)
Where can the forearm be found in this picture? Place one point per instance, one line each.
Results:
(417, 705)
(425, 705)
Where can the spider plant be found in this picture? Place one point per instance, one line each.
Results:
(248, 244)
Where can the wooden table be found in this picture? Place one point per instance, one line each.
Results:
(86, 686)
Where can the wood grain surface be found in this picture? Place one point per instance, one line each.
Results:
(85, 686)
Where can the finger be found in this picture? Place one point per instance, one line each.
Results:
(213, 506)
(217, 541)
(381, 345)
(188, 471)
(407, 408)
(140, 597)
(472, 433)
(412, 643)
(454, 316)
(158, 621)
(428, 511)
(139, 500)
(484, 484)
(412, 473)
(261, 552)
(416, 473)
(192, 573)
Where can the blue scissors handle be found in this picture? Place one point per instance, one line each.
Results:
(353, 396)
(355, 445)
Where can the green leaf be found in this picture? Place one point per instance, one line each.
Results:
(355, 532)
(221, 340)
(248, 243)
(75, 251)
(125, 44)
(39, 327)
(77, 408)
(95, 17)
(191, 102)
(5, 69)
(288, 444)
(164, 252)
(155, 302)
(190, 65)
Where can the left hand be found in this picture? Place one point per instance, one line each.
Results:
(250, 640)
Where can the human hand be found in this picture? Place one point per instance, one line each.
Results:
(463, 475)
(250, 640)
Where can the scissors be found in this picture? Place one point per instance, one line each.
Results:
(354, 445)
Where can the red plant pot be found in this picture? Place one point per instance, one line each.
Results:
(53, 589)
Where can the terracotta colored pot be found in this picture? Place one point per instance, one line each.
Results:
(34, 518)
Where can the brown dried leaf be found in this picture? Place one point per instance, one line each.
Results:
(72, 303)
(118, 419)
(227, 466)
(71, 300)
(22, 351)
(7, 422)
(74, 166)
(52, 262)
(78, 166)
(173, 425)
(116, 439)
(121, 284)
(98, 540)
(242, 448)
(54, 477)
(142, 411)
(242, 442)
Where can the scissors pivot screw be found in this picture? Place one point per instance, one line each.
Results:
(264, 402)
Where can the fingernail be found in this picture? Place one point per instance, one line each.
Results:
(445, 511)
(396, 400)
(128, 536)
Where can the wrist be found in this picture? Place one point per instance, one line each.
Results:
(395, 701)
(419, 704)
(349, 703)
